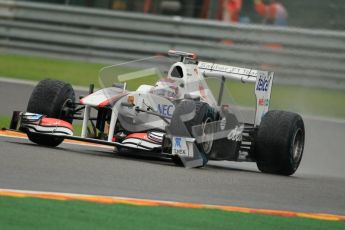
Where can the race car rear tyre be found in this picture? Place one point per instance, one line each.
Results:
(49, 98)
(203, 115)
(279, 143)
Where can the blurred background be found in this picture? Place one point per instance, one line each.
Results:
(326, 14)
(303, 41)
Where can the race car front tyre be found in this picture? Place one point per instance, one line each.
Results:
(49, 98)
(280, 142)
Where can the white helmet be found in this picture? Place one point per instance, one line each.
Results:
(167, 88)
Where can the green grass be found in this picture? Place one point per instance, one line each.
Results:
(32, 213)
(4, 122)
(38, 68)
(312, 101)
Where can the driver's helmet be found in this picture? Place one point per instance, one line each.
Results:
(167, 88)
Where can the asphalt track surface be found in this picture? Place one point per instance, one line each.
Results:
(318, 186)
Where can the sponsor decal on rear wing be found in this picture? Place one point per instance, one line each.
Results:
(228, 69)
(263, 82)
(263, 88)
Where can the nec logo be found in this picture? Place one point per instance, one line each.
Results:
(165, 110)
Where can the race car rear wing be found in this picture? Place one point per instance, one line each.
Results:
(229, 72)
(263, 83)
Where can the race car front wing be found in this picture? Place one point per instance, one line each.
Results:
(182, 146)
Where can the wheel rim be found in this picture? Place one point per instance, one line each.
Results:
(64, 112)
(207, 133)
(297, 145)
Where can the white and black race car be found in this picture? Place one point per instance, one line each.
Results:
(187, 114)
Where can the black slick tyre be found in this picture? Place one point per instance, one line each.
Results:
(280, 142)
(49, 98)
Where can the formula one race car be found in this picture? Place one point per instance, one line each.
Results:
(177, 117)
